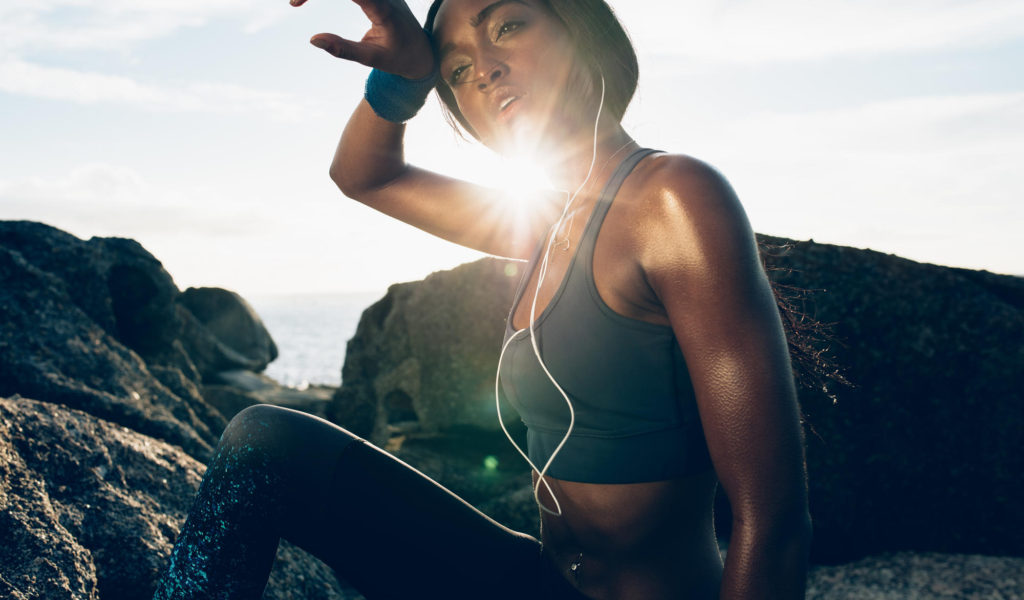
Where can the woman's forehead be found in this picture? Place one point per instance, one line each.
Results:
(454, 13)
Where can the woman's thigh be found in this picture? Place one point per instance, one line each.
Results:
(389, 530)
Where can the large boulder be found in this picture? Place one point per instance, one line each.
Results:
(923, 451)
(99, 325)
(90, 501)
(238, 338)
(115, 281)
(427, 352)
(126, 292)
(904, 575)
(90, 510)
(231, 391)
(50, 348)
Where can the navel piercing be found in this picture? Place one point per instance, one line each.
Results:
(574, 568)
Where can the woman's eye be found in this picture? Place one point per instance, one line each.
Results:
(507, 27)
(457, 74)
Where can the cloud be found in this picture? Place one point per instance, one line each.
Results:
(98, 24)
(931, 178)
(751, 31)
(60, 27)
(104, 199)
(917, 126)
(57, 83)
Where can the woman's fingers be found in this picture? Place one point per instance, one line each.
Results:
(377, 11)
(342, 48)
(394, 43)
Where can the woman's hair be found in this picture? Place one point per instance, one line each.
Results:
(601, 46)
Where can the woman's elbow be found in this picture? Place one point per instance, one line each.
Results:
(343, 179)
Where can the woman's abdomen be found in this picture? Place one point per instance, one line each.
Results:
(643, 540)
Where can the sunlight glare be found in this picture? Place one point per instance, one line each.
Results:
(517, 186)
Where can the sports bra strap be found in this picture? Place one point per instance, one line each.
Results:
(589, 236)
(604, 201)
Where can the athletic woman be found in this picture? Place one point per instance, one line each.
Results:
(644, 350)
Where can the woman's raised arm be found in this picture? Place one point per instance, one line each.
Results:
(369, 163)
(703, 264)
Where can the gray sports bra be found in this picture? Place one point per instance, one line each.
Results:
(636, 415)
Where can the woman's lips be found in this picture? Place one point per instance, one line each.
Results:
(508, 108)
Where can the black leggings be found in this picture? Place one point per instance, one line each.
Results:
(385, 528)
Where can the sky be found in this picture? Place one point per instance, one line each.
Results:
(205, 129)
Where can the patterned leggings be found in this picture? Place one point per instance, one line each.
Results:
(385, 528)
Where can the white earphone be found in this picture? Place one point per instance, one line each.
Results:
(533, 340)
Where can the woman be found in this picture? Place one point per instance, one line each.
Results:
(659, 370)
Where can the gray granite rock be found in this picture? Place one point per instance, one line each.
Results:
(51, 348)
(925, 576)
(90, 509)
(231, 391)
(924, 452)
(237, 337)
(428, 351)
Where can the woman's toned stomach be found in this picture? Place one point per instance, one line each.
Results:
(636, 540)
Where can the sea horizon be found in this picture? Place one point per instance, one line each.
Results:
(311, 331)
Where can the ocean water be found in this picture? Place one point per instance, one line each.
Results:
(310, 331)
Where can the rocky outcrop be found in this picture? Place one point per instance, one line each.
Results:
(89, 509)
(231, 391)
(923, 452)
(99, 325)
(52, 348)
(427, 352)
(908, 575)
(95, 479)
(479, 466)
(237, 338)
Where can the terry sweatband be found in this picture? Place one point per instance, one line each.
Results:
(395, 98)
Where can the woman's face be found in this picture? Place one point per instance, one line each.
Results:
(507, 63)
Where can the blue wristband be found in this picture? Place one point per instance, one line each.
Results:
(395, 98)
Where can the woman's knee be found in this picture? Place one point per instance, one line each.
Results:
(274, 435)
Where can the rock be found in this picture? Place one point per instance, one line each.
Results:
(428, 351)
(99, 325)
(238, 334)
(50, 348)
(929, 575)
(91, 499)
(228, 400)
(89, 509)
(120, 286)
(126, 292)
(231, 391)
(935, 411)
(934, 414)
(478, 465)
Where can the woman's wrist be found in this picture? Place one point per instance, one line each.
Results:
(395, 98)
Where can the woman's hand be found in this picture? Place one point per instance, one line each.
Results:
(395, 43)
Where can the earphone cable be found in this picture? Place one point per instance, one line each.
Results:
(533, 340)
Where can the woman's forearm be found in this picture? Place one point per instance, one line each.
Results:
(767, 558)
(370, 154)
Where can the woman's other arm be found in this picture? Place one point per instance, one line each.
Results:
(369, 163)
(703, 264)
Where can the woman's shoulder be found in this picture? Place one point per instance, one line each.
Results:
(683, 199)
(681, 178)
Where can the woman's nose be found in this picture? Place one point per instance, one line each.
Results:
(491, 75)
